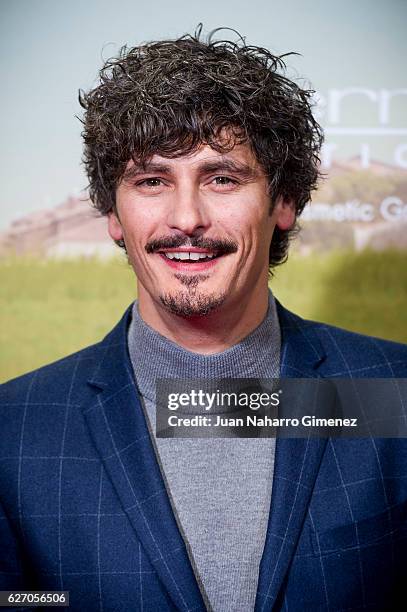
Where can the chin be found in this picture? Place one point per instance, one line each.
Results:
(192, 303)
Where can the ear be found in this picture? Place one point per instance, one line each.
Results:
(284, 212)
(114, 226)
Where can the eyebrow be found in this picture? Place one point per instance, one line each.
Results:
(245, 171)
(146, 168)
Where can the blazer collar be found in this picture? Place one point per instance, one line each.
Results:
(119, 431)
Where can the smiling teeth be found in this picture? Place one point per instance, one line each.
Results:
(185, 256)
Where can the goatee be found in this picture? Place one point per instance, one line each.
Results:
(192, 304)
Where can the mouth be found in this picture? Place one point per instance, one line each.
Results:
(192, 260)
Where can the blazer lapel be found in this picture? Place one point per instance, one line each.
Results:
(119, 432)
(297, 463)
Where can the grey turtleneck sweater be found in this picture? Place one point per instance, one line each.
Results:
(220, 489)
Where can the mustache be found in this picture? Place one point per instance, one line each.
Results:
(222, 246)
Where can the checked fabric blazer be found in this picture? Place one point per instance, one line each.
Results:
(84, 507)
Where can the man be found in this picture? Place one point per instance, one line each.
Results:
(202, 154)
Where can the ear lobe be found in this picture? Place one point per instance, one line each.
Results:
(285, 214)
(114, 227)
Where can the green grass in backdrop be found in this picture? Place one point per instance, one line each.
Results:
(53, 308)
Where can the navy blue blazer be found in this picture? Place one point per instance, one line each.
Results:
(84, 507)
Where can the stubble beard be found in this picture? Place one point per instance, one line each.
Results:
(191, 302)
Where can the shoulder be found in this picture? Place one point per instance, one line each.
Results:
(364, 354)
(53, 381)
(348, 353)
(66, 378)
(361, 347)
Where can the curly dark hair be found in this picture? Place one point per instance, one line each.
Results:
(168, 97)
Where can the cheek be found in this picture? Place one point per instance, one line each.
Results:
(255, 228)
(251, 233)
(138, 228)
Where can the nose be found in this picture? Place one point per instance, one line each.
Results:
(187, 212)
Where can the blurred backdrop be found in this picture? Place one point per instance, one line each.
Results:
(63, 283)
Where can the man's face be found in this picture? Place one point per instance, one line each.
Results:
(197, 229)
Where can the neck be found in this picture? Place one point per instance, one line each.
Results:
(209, 334)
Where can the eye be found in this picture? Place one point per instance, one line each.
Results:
(223, 183)
(224, 180)
(150, 182)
